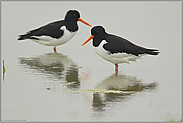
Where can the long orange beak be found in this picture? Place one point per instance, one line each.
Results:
(79, 19)
(91, 37)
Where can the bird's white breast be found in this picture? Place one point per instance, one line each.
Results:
(67, 34)
(116, 57)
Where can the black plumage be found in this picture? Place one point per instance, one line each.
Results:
(52, 29)
(116, 44)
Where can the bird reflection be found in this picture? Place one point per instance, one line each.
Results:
(117, 89)
(72, 76)
(55, 66)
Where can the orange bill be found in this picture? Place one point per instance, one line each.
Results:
(91, 37)
(79, 19)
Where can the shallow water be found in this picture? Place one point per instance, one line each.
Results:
(75, 84)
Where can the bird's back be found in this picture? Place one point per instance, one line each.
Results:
(116, 44)
(51, 29)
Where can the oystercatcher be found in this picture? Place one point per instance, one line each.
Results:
(116, 49)
(56, 33)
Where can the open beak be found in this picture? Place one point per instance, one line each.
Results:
(91, 37)
(79, 19)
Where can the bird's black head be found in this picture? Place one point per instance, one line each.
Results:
(72, 15)
(97, 31)
(71, 19)
(97, 34)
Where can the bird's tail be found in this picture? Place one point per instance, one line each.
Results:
(26, 36)
(22, 37)
(152, 51)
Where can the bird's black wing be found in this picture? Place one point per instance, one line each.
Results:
(117, 44)
(51, 29)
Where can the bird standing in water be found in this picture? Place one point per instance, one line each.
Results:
(56, 33)
(116, 49)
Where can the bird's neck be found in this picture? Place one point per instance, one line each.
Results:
(72, 26)
(97, 40)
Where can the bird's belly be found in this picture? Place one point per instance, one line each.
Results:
(115, 57)
(49, 41)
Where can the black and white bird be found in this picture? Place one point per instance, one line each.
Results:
(116, 49)
(56, 33)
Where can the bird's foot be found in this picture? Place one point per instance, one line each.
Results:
(116, 73)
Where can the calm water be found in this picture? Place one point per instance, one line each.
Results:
(75, 84)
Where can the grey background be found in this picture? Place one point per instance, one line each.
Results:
(149, 24)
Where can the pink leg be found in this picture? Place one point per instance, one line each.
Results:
(116, 69)
(54, 49)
